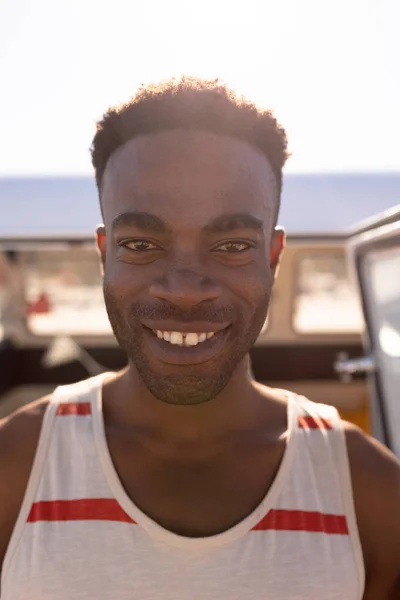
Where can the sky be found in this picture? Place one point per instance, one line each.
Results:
(328, 68)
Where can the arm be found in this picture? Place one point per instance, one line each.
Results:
(375, 475)
(19, 434)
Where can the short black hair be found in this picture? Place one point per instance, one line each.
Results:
(189, 103)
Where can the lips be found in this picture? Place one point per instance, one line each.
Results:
(178, 343)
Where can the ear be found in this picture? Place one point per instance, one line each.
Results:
(101, 243)
(277, 246)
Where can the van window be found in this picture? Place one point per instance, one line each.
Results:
(381, 276)
(63, 292)
(326, 299)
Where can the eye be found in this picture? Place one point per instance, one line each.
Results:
(140, 245)
(233, 247)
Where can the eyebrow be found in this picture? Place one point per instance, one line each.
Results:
(149, 222)
(142, 220)
(232, 222)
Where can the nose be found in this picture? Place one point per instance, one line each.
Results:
(185, 288)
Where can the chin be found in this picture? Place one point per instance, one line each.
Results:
(185, 389)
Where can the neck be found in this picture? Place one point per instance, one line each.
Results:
(128, 403)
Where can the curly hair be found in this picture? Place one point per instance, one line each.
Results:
(189, 103)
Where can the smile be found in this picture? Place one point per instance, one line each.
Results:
(178, 343)
(181, 338)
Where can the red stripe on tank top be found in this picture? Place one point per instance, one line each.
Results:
(302, 520)
(108, 509)
(309, 422)
(87, 509)
(74, 408)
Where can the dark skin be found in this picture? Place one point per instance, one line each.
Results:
(196, 469)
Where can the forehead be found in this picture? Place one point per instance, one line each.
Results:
(188, 177)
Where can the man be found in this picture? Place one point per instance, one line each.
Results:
(181, 477)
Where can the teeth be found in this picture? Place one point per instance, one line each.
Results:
(183, 339)
(176, 338)
(192, 339)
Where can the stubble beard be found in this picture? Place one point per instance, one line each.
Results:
(182, 389)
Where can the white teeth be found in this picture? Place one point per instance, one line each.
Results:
(192, 339)
(183, 339)
(176, 338)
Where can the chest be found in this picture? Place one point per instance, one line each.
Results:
(107, 560)
(197, 497)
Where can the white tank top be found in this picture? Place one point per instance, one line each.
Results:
(78, 534)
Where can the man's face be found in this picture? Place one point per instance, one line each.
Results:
(187, 277)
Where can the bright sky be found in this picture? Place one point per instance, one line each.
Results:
(328, 68)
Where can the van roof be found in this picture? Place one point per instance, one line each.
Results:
(68, 207)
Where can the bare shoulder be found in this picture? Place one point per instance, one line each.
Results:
(20, 429)
(375, 473)
(19, 435)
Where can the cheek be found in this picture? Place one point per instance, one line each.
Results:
(117, 291)
(124, 280)
(254, 287)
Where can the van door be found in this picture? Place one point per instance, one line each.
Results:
(375, 256)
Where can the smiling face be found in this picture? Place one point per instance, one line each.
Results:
(189, 222)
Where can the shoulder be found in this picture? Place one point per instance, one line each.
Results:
(19, 435)
(375, 474)
(21, 427)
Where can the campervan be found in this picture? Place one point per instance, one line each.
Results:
(333, 329)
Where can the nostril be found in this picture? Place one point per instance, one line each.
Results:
(184, 289)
